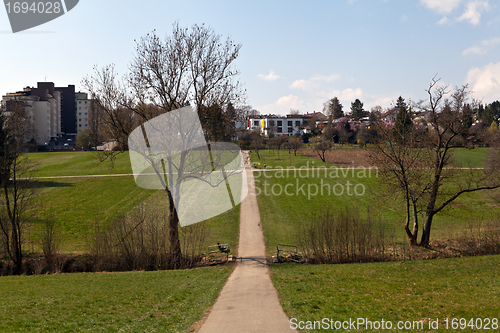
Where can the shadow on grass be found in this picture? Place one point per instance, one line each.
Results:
(43, 184)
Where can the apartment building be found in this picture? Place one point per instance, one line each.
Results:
(52, 111)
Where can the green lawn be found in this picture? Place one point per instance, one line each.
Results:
(55, 164)
(473, 158)
(282, 159)
(393, 291)
(78, 203)
(284, 215)
(163, 301)
(173, 300)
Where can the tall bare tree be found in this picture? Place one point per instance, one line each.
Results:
(421, 164)
(18, 191)
(191, 66)
(401, 158)
(445, 128)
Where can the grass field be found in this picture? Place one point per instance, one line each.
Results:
(396, 291)
(56, 164)
(282, 158)
(76, 203)
(393, 291)
(283, 215)
(163, 301)
(172, 301)
(473, 158)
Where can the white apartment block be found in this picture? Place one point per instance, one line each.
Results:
(43, 112)
(276, 125)
(82, 111)
(289, 125)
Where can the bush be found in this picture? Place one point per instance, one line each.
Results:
(140, 241)
(344, 237)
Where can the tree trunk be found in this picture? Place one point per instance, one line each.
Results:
(407, 223)
(426, 232)
(16, 250)
(173, 223)
(413, 240)
(429, 214)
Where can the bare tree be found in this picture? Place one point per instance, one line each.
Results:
(422, 164)
(445, 128)
(257, 144)
(17, 187)
(295, 144)
(402, 166)
(321, 148)
(189, 67)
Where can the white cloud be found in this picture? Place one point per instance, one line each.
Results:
(441, 6)
(315, 83)
(269, 77)
(384, 102)
(290, 101)
(443, 21)
(473, 12)
(483, 47)
(348, 94)
(310, 95)
(485, 82)
(283, 105)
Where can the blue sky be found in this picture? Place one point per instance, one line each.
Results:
(295, 54)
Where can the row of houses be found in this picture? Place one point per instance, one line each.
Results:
(53, 113)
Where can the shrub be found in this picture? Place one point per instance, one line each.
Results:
(140, 241)
(344, 237)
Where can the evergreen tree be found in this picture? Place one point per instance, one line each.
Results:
(466, 119)
(357, 111)
(333, 109)
(231, 111)
(491, 113)
(404, 123)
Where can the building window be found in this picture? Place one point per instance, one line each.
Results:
(290, 130)
(280, 130)
(289, 123)
(85, 125)
(85, 102)
(297, 123)
(270, 123)
(79, 125)
(280, 123)
(85, 113)
(256, 123)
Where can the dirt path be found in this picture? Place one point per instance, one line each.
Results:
(248, 302)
